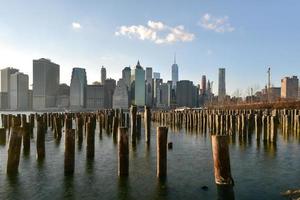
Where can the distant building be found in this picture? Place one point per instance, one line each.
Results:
(120, 97)
(174, 74)
(138, 77)
(78, 88)
(203, 85)
(18, 93)
(186, 94)
(5, 86)
(63, 96)
(164, 100)
(156, 75)
(95, 97)
(149, 95)
(103, 74)
(109, 88)
(126, 76)
(30, 99)
(45, 84)
(156, 91)
(222, 86)
(289, 87)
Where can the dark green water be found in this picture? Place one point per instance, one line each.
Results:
(260, 171)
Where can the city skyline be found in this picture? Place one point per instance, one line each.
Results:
(205, 36)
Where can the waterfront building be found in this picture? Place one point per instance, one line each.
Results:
(63, 96)
(289, 87)
(95, 97)
(5, 86)
(109, 88)
(186, 94)
(45, 84)
(78, 88)
(138, 81)
(120, 97)
(18, 91)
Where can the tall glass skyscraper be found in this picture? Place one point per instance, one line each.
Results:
(138, 76)
(222, 86)
(174, 74)
(78, 88)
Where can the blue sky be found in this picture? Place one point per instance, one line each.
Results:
(245, 38)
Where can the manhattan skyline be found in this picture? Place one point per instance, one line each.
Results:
(205, 36)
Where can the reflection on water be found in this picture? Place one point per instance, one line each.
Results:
(190, 167)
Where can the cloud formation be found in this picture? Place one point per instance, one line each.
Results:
(156, 32)
(216, 24)
(76, 25)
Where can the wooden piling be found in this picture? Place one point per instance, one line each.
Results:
(14, 150)
(147, 124)
(161, 152)
(40, 140)
(123, 152)
(221, 160)
(90, 141)
(69, 161)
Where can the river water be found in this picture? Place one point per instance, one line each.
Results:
(260, 170)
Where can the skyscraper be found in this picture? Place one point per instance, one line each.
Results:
(103, 75)
(109, 88)
(222, 86)
(126, 76)
(45, 83)
(5, 86)
(138, 77)
(18, 93)
(149, 94)
(186, 94)
(203, 85)
(120, 98)
(78, 88)
(174, 74)
(156, 75)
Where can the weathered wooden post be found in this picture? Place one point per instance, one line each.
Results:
(161, 152)
(123, 152)
(2, 136)
(133, 111)
(26, 136)
(14, 150)
(147, 122)
(221, 160)
(115, 128)
(40, 140)
(138, 125)
(90, 141)
(69, 151)
(79, 129)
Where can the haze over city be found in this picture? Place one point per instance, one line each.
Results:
(205, 35)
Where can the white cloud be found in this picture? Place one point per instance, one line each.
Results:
(217, 24)
(156, 32)
(76, 25)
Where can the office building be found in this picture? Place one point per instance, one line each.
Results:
(156, 75)
(149, 94)
(138, 77)
(45, 84)
(95, 97)
(103, 75)
(78, 88)
(5, 87)
(174, 74)
(186, 94)
(222, 86)
(18, 92)
(109, 88)
(63, 96)
(120, 97)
